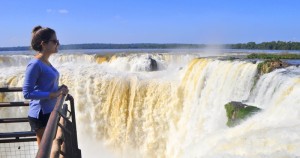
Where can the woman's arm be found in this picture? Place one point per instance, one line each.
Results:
(31, 76)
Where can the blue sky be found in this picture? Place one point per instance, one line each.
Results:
(151, 21)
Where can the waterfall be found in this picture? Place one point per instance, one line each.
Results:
(178, 111)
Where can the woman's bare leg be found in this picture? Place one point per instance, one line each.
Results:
(39, 135)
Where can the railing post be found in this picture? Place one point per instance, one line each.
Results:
(51, 128)
(77, 151)
(58, 146)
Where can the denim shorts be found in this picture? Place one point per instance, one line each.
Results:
(38, 123)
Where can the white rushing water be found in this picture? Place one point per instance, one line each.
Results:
(125, 110)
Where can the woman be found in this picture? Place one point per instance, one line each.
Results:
(41, 80)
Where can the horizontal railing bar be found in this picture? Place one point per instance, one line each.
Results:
(17, 134)
(13, 104)
(13, 120)
(17, 140)
(10, 89)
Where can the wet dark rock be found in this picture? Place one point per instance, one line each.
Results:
(153, 64)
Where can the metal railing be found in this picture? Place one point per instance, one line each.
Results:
(9, 137)
(60, 136)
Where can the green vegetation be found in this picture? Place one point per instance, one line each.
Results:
(274, 45)
(237, 112)
(273, 56)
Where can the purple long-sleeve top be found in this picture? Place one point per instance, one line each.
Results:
(40, 80)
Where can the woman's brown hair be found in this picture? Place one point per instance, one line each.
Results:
(40, 34)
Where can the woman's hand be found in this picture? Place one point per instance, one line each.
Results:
(63, 90)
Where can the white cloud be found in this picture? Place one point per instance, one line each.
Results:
(60, 11)
(49, 10)
(63, 11)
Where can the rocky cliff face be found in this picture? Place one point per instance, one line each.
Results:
(270, 65)
(237, 112)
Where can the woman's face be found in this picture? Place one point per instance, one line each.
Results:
(51, 46)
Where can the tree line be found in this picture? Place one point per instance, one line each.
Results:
(116, 46)
(274, 45)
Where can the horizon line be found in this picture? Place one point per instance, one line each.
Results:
(158, 43)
